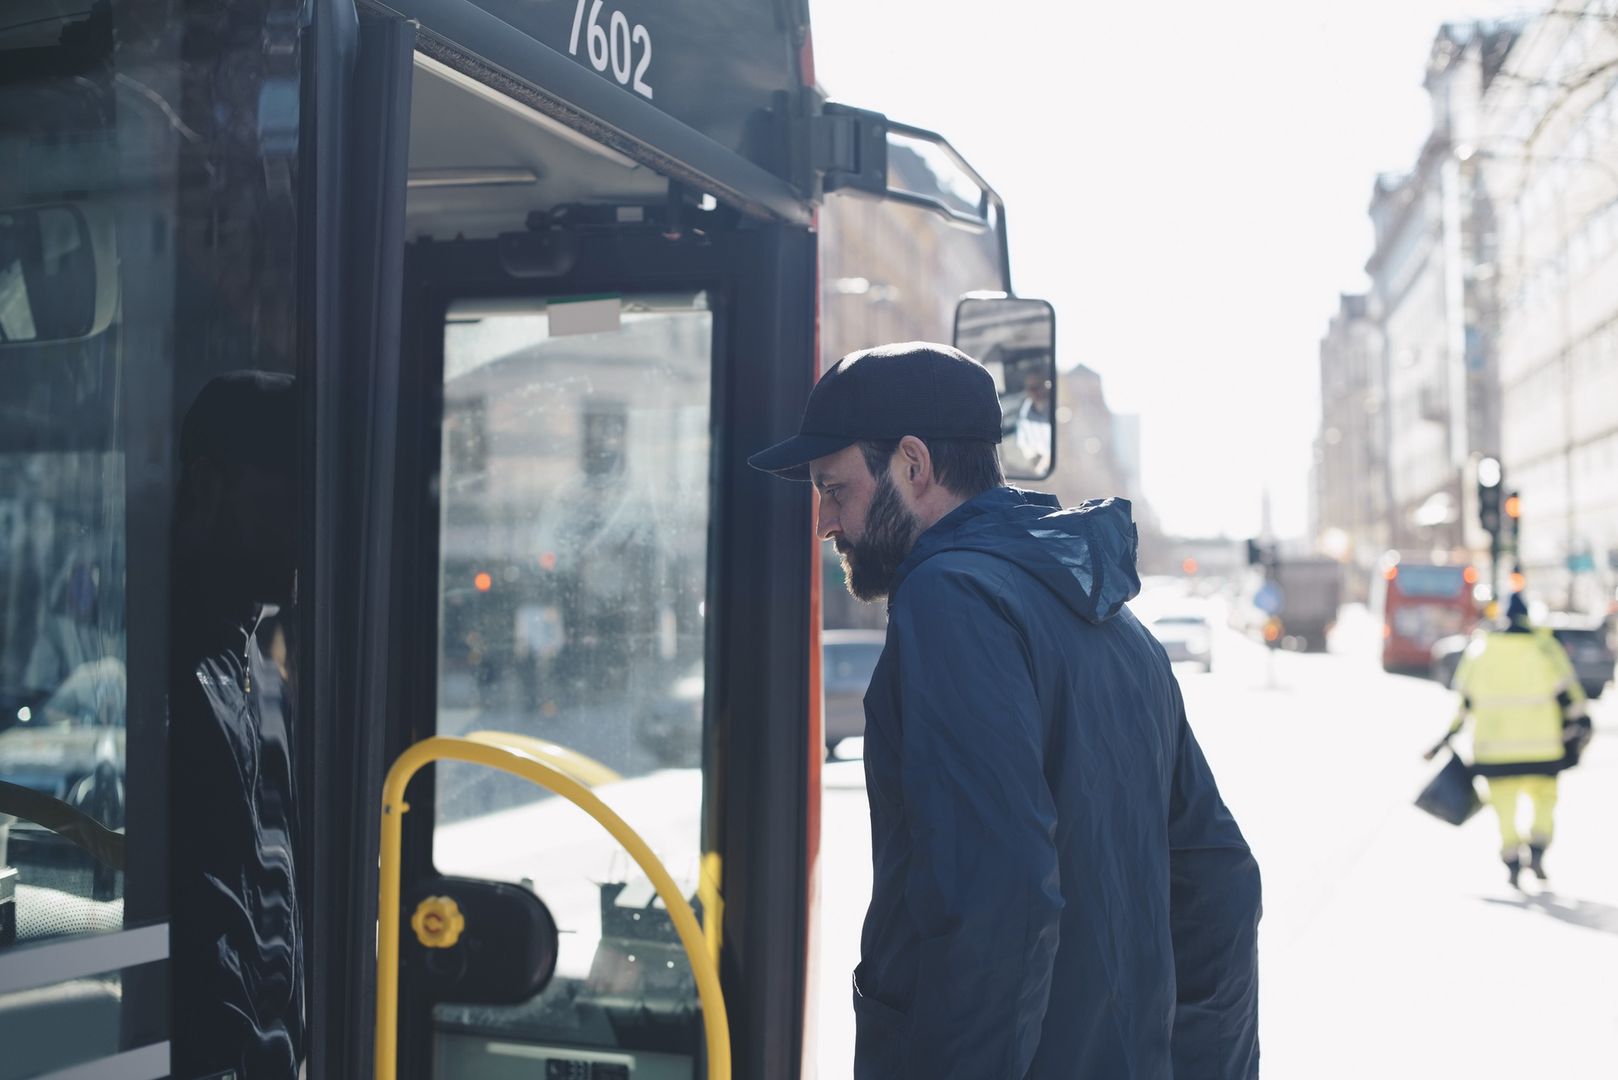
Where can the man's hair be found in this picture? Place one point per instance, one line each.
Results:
(966, 467)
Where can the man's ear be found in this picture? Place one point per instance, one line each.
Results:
(915, 464)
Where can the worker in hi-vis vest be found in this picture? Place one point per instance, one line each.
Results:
(1528, 708)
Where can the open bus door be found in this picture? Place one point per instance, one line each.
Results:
(595, 569)
(605, 305)
(549, 530)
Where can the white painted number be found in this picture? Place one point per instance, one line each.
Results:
(578, 21)
(612, 47)
(598, 39)
(643, 37)
(620, 32)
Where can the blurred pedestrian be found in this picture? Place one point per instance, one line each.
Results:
(1520, 689)
(1058, 889)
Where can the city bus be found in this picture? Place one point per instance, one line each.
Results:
(1418, 601)
(542, 276)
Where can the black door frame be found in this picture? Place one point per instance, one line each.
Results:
(358, 79)
(762, 281)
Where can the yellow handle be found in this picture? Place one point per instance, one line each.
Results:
(512, 755)
(586, 770)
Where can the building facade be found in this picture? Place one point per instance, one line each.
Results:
(1410, 371)
(1548, 151)
(1350, 496)
(1494, 289)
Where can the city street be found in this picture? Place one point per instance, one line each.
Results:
(1391, 945)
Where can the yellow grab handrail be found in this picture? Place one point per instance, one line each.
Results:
(586, 770)
(713, 902)
(509, 755)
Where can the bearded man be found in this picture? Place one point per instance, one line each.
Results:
(1058, 889)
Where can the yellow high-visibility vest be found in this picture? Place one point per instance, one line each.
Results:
(1510, 682)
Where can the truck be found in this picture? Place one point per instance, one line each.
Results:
(1311, 591)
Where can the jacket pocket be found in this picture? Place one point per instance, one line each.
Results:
(879, 1032)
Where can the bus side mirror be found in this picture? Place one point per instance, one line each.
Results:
(58, 273)
(1016, 340)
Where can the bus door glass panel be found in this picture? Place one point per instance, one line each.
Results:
(574, 550)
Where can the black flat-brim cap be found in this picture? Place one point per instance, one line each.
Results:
(916, 388)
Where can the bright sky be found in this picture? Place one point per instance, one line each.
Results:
(1186, 182)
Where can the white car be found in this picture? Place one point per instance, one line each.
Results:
(1185, 636)
(848, 659)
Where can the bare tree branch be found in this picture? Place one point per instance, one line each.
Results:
(1569, 88)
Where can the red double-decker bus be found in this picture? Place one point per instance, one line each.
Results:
(1419, 602)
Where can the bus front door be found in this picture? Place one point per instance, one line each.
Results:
(589, 351)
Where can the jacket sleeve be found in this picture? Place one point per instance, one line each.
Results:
(1570, 694)
(983, 885)
(1214, 905)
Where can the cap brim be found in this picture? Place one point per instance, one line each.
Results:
(790, 459)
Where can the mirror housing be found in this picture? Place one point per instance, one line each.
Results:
(58, 273)
(1016, 340)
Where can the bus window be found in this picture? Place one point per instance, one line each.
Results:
(574, 553)
(63, 510)
(63, 678)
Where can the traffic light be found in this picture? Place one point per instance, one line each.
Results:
(1513, 509)
(1489, 477)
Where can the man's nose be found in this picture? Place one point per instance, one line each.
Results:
(826, 522)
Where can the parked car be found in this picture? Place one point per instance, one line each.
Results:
(848, 657)
(670, 727)
(1185, 636)
(64, 741)
(1586, 645)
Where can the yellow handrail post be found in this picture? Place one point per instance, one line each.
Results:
(511, 755)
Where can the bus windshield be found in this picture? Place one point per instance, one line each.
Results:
(1430, 582)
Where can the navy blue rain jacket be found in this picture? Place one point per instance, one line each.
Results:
(1059, 890)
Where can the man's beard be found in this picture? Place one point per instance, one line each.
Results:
(870, 563)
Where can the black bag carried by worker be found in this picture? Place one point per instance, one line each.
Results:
(1450, 796)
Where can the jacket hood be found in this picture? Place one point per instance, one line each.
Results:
(1084, 554)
